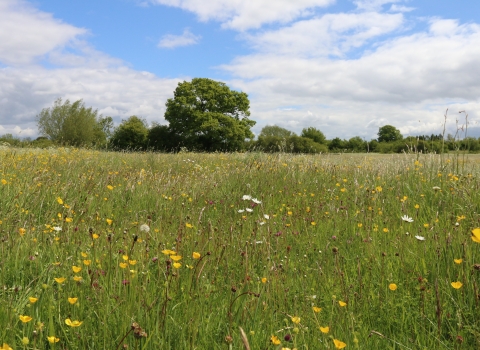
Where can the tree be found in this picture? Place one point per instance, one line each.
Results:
(71, 124)
(131, 134)
(357, 144)
(161, 138)
(275, 131)
(389, 133)
(207, 115)
(314, 134)
(337, 144)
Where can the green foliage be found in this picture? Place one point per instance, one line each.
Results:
(389, 133)
(72, 124)
(337, 145)
(208, 116)
(357, 144)
(161, 138)
(275, 131)
(131, 134)
(292, 144)
(314, 134)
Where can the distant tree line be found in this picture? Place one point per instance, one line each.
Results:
(206, 115)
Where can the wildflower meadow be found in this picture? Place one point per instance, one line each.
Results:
(104, 250)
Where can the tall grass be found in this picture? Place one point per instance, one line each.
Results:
(180, 251)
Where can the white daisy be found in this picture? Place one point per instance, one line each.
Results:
(407, 218)
(266, 216)
(249, 210)
(420, 238)
(56, 228)
(256, 201)
(145, 228)
(241, 210)
(246, 197)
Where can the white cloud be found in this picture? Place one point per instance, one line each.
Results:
(246, 14)
(171, 41)
(331, 34)
(26, 33)
(406, 79)
(373, 5)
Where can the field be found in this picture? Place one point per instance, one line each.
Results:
(184, 251)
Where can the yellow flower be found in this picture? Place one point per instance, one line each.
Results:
(177, 265)
(87, 262)
(196, 255)
(457, 285)
(25, 319)
(110, 187)
(77, 278)
(339, 344)
(53, 339)
(71, 323)
(295, 319)
(123, 265)
(68, 220)
(25, 341)
(125, 257)
(313, 223)
(5, 345)
(264, 279)
(385, 229)
(176, 257)
(275, 341)
(109, 221)
(476, 235)
(76, 269)
(168, 252)
(417, 206)
(458, 261)
(324, 330)
(83, 254)
(188, 225)
(60, 280)
(316, 309)
(22, 231)
(392, 286)
(342, 303)
(59, 200)
(32, 300)
(132, 262)
(95, 236)
(72, 300)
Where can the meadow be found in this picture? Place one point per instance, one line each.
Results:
(186, 251)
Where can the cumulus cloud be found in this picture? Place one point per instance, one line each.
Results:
(247, 14)
(26, 33)
(171, 41)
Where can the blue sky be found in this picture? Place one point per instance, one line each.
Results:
(346, 67)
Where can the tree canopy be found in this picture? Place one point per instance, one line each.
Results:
(389, 133)
(275, 131)
(131, 134)
(73, 124)
(207, 115)
(314, 134)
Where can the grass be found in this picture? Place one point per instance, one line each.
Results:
(161, 252)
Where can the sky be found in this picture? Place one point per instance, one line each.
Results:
(345, 67)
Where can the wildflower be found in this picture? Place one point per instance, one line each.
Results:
(71, 323)
(59, 200)
(313, 223)
(426, 225)
(68, 220)
(168, 252)
(132, 262)
(83, 254)
(407, 218)
(22, 231)
(109, 221)
(458, 261)
(187, 225)
(275, 341)
(177, 265)
(476, 235)
(196, 255)
(72, 300)
(420, 238)
(25, 341)
(264, 280)
(110, 187)
(5, 346)
(87, 262)
(436, 188)
(125, 257)
(25, 319)
(266, 216)
(457, 285)
(249, 210)
(295, 319)
(417, 206)
(342, 303)
(52, 339)
(256, 201)
(123, 265)
(385, 229)
(176, 257)
(246, 197)
(145, 228)
(339, 344)
(32, 300)
(392, 286)
(56, 228)
(316, 309)
(60, 280)
(76, 269)
(324, 330)
(241, 210)
(77, 278)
